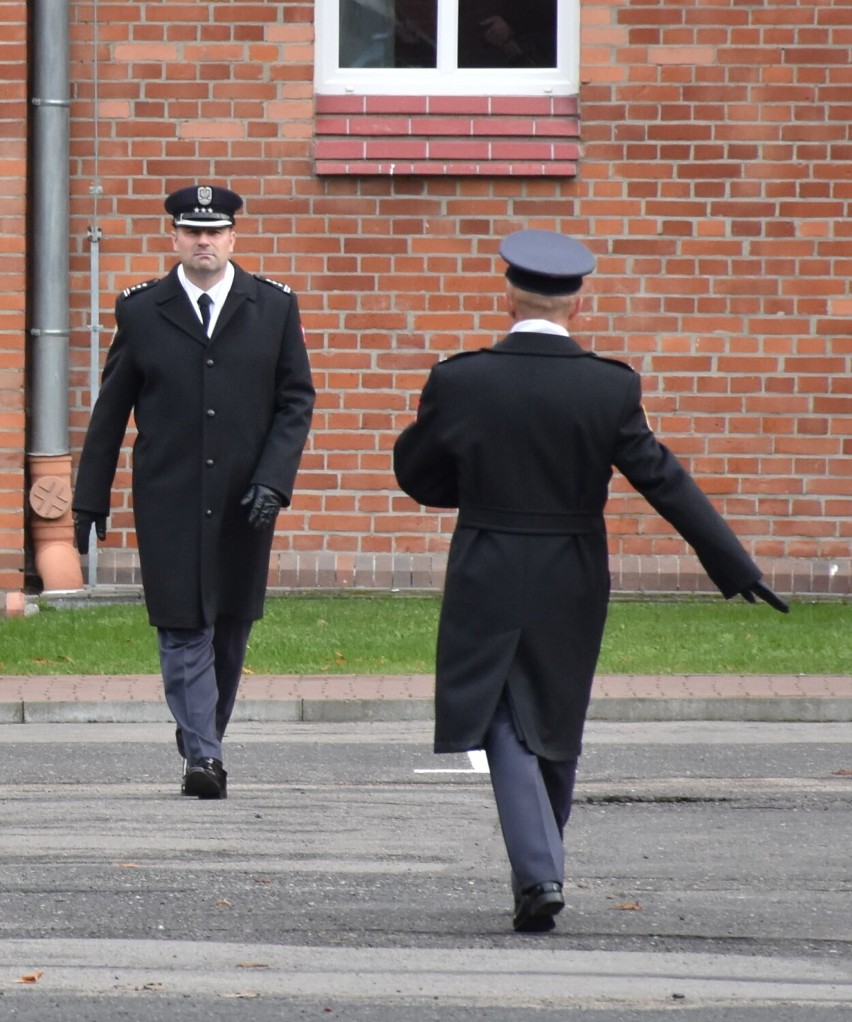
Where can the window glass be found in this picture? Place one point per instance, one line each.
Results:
(507, 33)
(388, 33)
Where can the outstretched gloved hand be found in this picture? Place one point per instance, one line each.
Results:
(263, 504)
(757, 590)
(83, 522)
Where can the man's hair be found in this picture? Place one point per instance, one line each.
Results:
(542, 305)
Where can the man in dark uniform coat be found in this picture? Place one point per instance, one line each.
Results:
(211, 361)
(521, 438)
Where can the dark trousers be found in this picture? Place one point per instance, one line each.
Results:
(201, 674)
(533, 797)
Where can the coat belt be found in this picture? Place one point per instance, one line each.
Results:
(555, 523)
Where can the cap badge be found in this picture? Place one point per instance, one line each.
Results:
(205, 195)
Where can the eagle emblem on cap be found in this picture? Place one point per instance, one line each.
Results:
(205, 195)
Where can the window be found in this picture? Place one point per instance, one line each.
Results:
(447, 47)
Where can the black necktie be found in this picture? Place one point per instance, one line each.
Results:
(204, 303)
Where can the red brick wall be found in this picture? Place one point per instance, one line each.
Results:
(718, 167)
(13, 177)
(713, 182)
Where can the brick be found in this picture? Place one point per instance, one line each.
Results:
(128, 53)
(691, 55)
(458, 106)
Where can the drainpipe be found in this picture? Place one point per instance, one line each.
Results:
(48, 454)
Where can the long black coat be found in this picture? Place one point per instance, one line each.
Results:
(522, 438)
(212, 417)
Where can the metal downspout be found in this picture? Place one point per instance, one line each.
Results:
(48, 453)
(94, 234)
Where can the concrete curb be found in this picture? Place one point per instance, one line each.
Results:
(350, 711)
(771, 709)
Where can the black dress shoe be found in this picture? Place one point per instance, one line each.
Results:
(206, 778)
(536, 907)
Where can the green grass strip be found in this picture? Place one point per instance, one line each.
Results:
(389, 634)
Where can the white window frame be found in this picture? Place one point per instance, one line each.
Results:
(447, 79)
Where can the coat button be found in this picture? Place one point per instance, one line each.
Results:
(210, 412)
(209, 512)
(209, 462)
(210, 362)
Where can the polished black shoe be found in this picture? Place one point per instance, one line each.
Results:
(206, 778)
(536, 907)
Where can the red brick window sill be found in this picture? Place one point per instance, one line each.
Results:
(502, 136)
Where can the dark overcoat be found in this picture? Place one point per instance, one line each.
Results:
(522, 438)
(212, 417)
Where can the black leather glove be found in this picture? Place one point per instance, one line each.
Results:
(83, 522)
(759, 590)
(263, 504)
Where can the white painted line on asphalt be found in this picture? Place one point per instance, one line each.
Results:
(478, 765)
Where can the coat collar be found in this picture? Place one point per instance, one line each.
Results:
(523, 342)
(175, 306)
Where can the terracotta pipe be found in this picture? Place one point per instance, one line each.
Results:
(51, 524)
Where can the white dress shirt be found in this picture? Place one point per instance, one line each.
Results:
(539, 326)
(218, 293)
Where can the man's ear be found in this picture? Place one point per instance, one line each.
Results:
(576, 305)
(511, 304)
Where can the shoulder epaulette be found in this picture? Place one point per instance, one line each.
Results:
(134, 289)
(275, 283)
(613, 361)
(463, 354)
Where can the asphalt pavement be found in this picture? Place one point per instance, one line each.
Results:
(351, 874)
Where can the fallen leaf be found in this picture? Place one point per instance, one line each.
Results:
(843, 773)
(128, 865)
(263, 880)
(253, 965)
(628, 906)
(30, 977)
(222, 903)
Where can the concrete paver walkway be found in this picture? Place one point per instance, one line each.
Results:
(347, 698)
